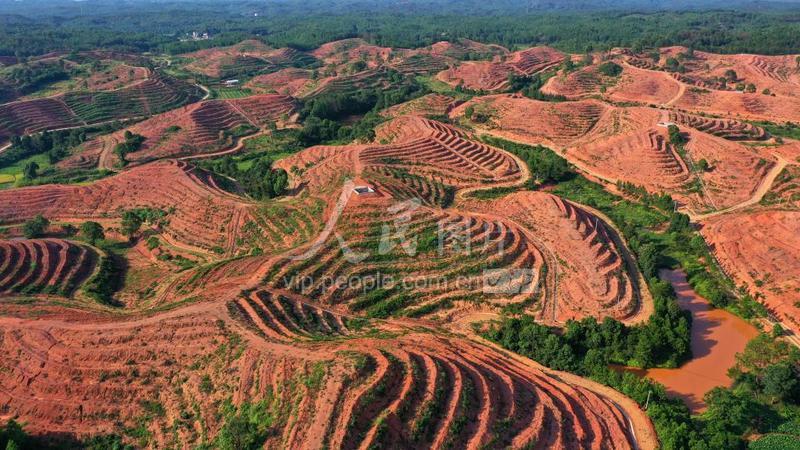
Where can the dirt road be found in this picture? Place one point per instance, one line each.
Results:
(758, 194)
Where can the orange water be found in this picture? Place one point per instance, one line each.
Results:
(717, 336)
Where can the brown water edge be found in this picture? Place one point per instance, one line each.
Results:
(717, 336)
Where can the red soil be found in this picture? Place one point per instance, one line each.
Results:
(82, 375)
(201, 130)
(493, 76)
(31, 116)
(615, 143)
(478, 75)
(428, 105)
(213, 61)
(586, 267)
(779, 74)
(736, 170)
(739, 105)
(535, 59)
(289, 81)
(644, 87)
(202, 211)
(465, 47)
(761, 249)
(351, 50)
(580, 83)
(785, 191)
(446, 153)
(731, 129)
(556, 124)
(117, 77)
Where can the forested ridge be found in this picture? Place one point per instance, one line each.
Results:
(159, 28)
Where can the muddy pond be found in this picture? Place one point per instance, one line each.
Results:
(717, 336)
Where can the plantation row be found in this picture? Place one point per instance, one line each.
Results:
(157, 94)
(44, 266)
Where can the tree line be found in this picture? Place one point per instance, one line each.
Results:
(155, 28)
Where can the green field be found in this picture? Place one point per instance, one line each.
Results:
(441, 87)
(11, 174)
(230, 92)
(277, 145)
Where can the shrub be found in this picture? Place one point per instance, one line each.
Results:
(675, 135)
(35, 227)
(610, 69)
(92, 231)
(104, 283)
(131, 222)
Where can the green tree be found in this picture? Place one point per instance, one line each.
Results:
(131, 222)
(92, 231)
(678, 223)
(673, 65)
(675, 135)
(610, 69)
(31, 170)
(731, 75)
(703, 165)
(780, 381)
(35, 227)
(648, 260)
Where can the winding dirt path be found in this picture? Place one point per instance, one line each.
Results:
(762, 189)
(239, 145)
(205, 89)
(681, 91)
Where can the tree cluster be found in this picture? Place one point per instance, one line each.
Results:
(131, 143)
(55, 144)
(260, 180)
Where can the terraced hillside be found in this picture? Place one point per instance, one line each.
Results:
(747, 106)
(342, 313)
(557, 124)
(493, 76)
(44, 266)
(200, 215)
(367, 79)
(27, 117)
(157, 94)
(467, 49)
(451, 276)
(420, 63)
(730, 129)
(345, 391)
(644, 87)
(427, 105)
(589, 272)
(197, 129)
(285, 81)
(785, 191)
(581, 83)
(347, 51)
(441, 152)
(247, 58)
(760, 249)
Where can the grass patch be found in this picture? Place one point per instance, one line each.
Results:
(226, 93)
(13, 173)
